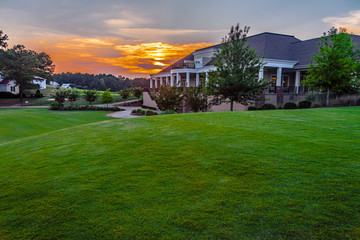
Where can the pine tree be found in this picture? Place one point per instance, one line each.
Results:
(237, 65)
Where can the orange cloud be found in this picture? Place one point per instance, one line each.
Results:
(351, 22)
(93, 55)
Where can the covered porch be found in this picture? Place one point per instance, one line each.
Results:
(179, 77)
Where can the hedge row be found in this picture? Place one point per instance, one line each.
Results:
(288, 105)
(56, 107)
(139, 111)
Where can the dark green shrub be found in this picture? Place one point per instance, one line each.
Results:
(169, 98)
(90, 96)
(137, 91)
(7, 95)
(358, 102)
(196, 99)
(107, 97)
(268, 106)
(73, 95)
(38, 94)
(117, 109)
(54, 106)
(60, 96)
(152, 108)
(125, 93)
(168, 112)
(290, 105)
(305, 104)
(252, 108)
(150, 113)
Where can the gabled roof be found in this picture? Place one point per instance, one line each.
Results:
(273, 45)
(39, 78)
(178, 63)
(5, 81)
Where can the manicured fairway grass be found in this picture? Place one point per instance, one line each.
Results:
(291, 174)
(18, 123)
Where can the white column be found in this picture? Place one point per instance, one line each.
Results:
(178, 80)
(156, 85)
(197, 83)
(261, 74)
(151, 82)
(161, 81)
(206, 77)
(171, 80)
(297, 82)
(168, 80)
(279, 77)
(187, 79)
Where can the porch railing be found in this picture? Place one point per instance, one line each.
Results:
(288, 89)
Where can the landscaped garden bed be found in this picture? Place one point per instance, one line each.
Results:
(141, 112)
(56, 107)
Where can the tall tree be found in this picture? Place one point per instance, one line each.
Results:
(125, 93)
(22, 65)
(336, 68)
(90, 96)
(73, 95)
(137, 91)
(3, 39)
(237, 65)
(106, 97)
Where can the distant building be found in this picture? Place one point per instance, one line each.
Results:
(40, 81)
(66, 85)
(8, 86)
(55, 84)
(11, 86)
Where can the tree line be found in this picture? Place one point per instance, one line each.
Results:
(99, 82)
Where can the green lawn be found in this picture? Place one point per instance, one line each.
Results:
(21, 123)
(285, 174)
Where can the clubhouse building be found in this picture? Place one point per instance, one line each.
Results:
(286, 59)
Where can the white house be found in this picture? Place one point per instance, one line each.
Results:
(55, 84)
(66, 85)
(40, 81)
(10, 85)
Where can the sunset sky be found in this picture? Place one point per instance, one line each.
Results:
(139, 37)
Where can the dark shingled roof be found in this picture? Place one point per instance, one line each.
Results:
(178, 63)
(303, 51)
(273, 45)
(269, 45)
(5, 81)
